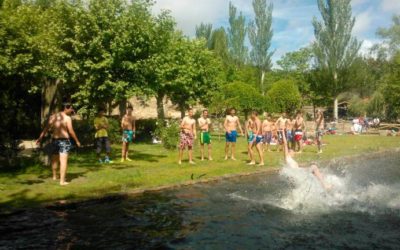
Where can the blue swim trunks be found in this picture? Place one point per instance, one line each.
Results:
(232, 136)
(127, 135)
(61, 146)
(251, 136)
(259, 139)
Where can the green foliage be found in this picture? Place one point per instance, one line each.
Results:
(284, 96)
(236, 36)
(244, 97)
(357, 106)
(377, 105)
(392, 35)
(260, 36)
(169, 134)
(391, 91)
(204, 31)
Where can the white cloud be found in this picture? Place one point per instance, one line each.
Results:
(363, 22)
(358, 2)
(189, 13)
(391, 5)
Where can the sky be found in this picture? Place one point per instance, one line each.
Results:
(291, 19)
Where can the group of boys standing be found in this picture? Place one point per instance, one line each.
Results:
(260, 134)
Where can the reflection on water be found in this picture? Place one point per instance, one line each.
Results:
(283, 211)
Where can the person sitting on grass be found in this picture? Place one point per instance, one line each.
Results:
(128, 125)
(289, 154)
(101, 125)
(187, 136)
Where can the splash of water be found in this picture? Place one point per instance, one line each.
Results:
(304, 194)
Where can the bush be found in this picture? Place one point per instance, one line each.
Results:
(284, 96)
(169, 134)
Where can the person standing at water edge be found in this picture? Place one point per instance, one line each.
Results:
(101, 125)
(128, 125)
(267, 132)
(231, 124)
(61, 126)
(319, 129)
(298, 127)
(205, 138)
(289, 154)
(257, 139)
(187, 136)
(280, 125)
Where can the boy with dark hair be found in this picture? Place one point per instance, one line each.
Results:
(187, 136)
(231, 124)
(128, 125)
(61, 126)
(101, 125)
(205, 138)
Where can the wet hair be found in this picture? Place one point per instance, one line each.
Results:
(66, 105)
(129, 106)
(99, 110)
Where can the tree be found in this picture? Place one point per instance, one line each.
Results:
(391, 91)
(236, 36)
(392, 35)
(284, 96)
(112, 39)
(335, 49)
(260, 35)
(204, 31)
(219, 43)
(242, 96)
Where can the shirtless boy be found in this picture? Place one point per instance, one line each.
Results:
(289, 132)
(319, 129)
(231, 124)
(280, 125)
(187, 136)
(299, 126)
(205, 138)
(61, 126)
(289, 154)
(128, 125)
(267, 131)
(257, 139)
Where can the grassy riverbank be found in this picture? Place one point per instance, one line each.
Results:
(154, 166)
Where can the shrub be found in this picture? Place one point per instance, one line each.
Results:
(284, 96)
(169, 134)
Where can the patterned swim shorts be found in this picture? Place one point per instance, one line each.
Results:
(61, 146)
(186, 140)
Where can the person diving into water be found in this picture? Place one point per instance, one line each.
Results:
(289, 154)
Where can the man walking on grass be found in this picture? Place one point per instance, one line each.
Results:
(61, 126)
(231, 124)
(205, 138)
(187, 136)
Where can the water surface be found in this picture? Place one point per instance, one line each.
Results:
(286, 210)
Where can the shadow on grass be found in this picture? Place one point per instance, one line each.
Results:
(147, 157)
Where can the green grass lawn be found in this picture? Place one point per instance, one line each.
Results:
(154, 166)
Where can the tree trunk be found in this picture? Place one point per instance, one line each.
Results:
(336, 109)
(336, 101)
(122, 107)
(51, 99)
(160, 106)
(182, 109)
(262, 82)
